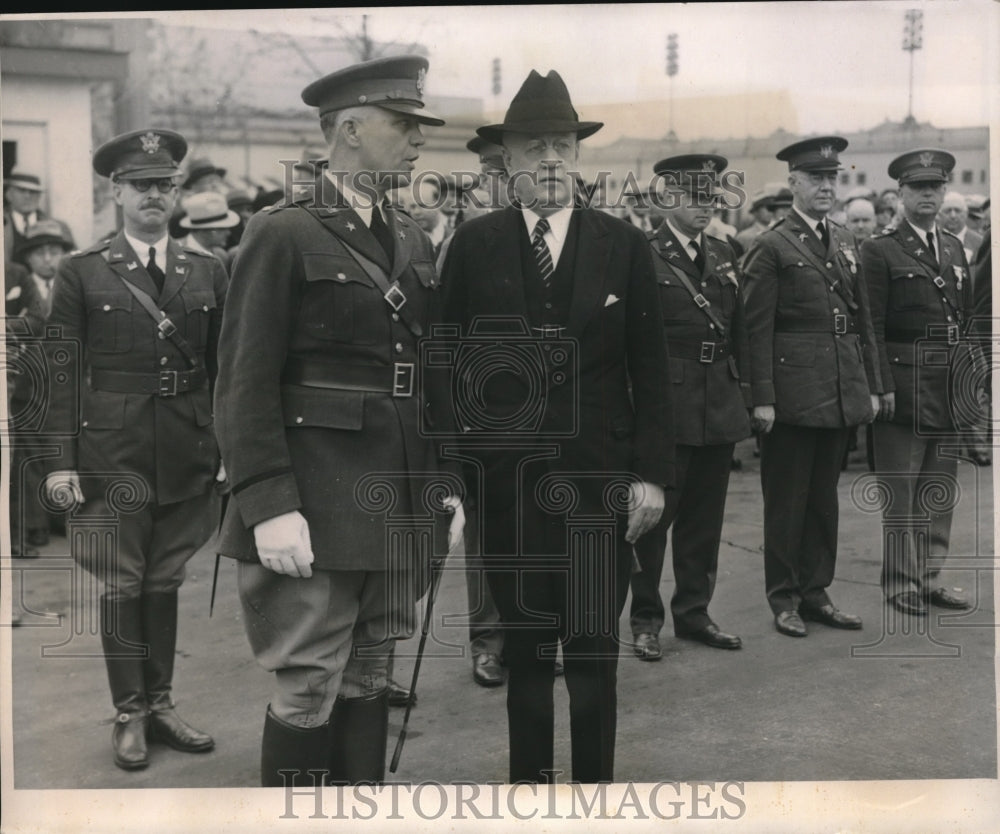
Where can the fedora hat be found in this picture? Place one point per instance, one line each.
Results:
(44, 231)
(542, 105)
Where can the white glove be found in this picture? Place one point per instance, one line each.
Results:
(457, 526)
(63, 488)
(283, 544)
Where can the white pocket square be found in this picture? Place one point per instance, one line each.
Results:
(611, 299)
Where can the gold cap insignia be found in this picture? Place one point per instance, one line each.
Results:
(150, 142)
(708, 165)
(826, 151)
(926, 159)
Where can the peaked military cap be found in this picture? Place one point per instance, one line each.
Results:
(542, 105)
(391, 83)
(818, 154)
(922, 165)
(150, 153)
(696, 173)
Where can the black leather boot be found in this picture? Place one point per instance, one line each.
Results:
(121, 638)
(359, 730)
(159, 627)
(293, 756)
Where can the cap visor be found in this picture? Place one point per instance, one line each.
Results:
(422, 114)
(158, 172)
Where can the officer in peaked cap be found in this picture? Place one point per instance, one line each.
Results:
(921, 296)
(704, 324)
(814, 375)
(147, 314)
(761, 209)
(318, 389)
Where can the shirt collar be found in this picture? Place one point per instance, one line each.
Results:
(142, 250)
(921, 233)
(361, 203)
(683, 238)
(558, 222)
(811, 222)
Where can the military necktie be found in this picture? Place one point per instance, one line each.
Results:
(381, 232)
(930, 246)
(542, 254)
(154, 271)
(824, 235)
(699, 257)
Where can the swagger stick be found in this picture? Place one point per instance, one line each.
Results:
(436, 571)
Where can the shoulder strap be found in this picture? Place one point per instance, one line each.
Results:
(392, 293)
(163, 324)
(820, 265)
(703, 303)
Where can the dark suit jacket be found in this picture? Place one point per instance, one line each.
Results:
(608, 409)
(818, 379)
(710, 398)
(168, 441)
(905, 302)
(298, 293)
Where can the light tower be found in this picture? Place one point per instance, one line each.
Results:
(671, 72)
(913, 39)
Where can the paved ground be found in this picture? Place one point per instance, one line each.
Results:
(879, 704)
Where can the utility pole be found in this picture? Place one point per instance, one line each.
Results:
(671, 72)
(913, 39)
(497, 83)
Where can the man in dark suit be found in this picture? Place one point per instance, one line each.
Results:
(22, 195)
(559, 463)
(319, 409)
(147, 315)
(814, 376)
(703, 317)
(921, 298)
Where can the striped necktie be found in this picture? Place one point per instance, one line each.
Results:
(542, 254)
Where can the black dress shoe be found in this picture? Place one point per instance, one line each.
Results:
(945, 599)
(399, 696)
(790, 623)
(830, 615)
(128, 741)
(166, 726)
(486, 669)
(711, 636)
(646, 646)
(909, 602)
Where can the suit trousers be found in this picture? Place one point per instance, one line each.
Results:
(799, 470)
(326, 635)
(141, 550)
(695, 510)
(916, 521)
(485, 631)
(547, 596)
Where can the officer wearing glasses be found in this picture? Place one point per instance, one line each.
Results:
(138, 443)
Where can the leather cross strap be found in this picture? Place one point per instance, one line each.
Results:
(392, 294)
(163, 324)
(820, 265)
(702, 303)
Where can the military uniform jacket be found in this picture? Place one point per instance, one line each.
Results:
(168, 441)
(711, 390)
(914, 318)
(797, 299)
(299, 297)
(609, 408)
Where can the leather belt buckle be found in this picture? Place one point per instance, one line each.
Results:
(395, 297)
(939, 282)
(840, 324)
(701, 301)
(952, 334)
(402, 379)
(166, 327)
(707, 353)
(168, 384)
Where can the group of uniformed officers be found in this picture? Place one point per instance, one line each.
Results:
(349, 453)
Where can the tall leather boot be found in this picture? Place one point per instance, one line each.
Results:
(159, 627)
(359, 731)
(301, 750)
(121, 638)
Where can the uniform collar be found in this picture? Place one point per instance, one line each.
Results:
(142, 249)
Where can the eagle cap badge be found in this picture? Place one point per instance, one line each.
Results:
(708, 165)
(926, 159)
(150, 142)
(826, 151)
